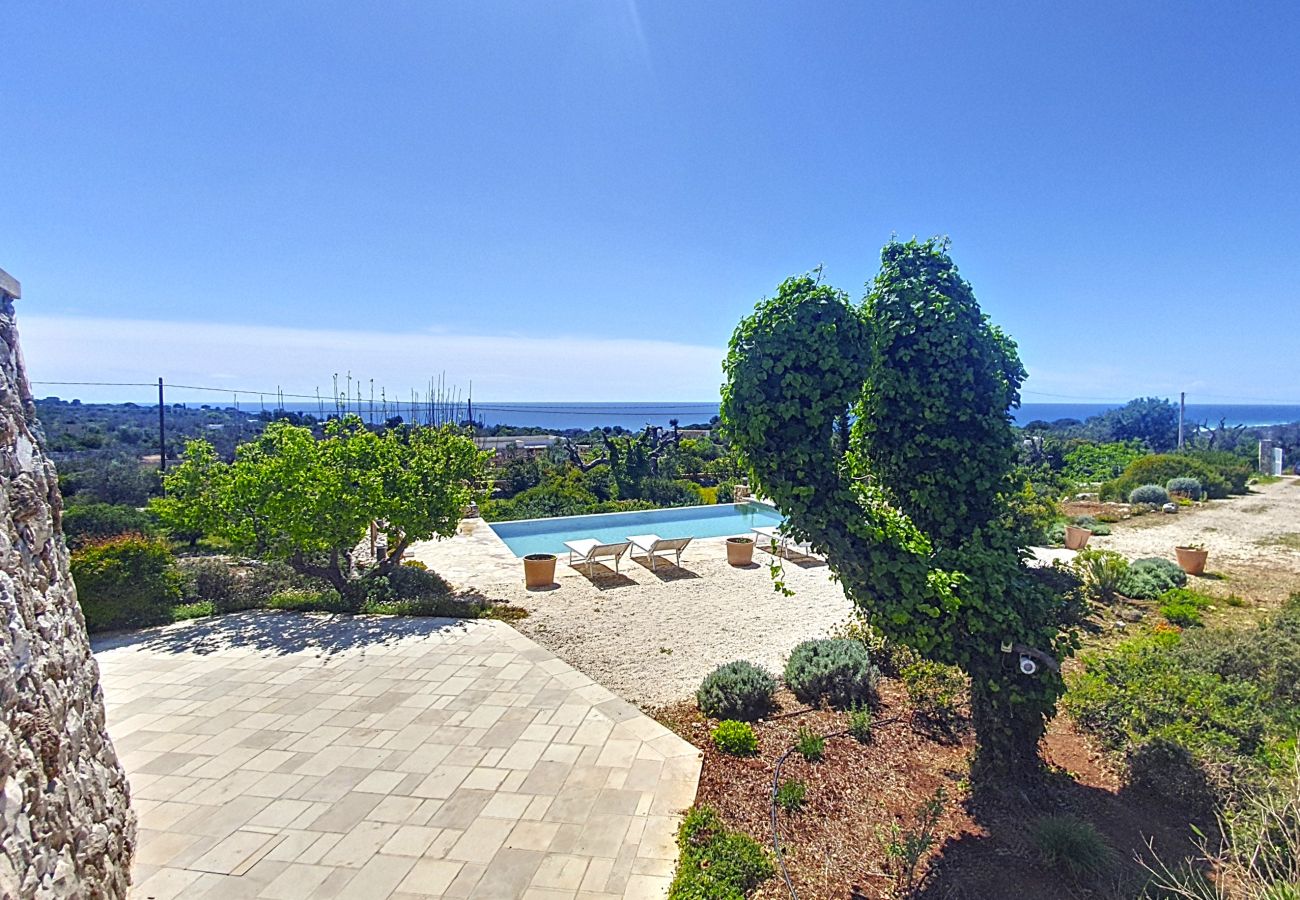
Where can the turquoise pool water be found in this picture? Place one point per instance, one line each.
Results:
(720, 520)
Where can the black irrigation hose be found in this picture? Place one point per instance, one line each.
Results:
(776, 783)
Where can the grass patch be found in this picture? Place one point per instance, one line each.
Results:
(196, 610)
(307, 600)
(1290, 540)
(810, 744)
(1183, 606)
(1071, 845)
(716, 862)
(790, 796)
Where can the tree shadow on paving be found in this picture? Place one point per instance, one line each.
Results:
(1003, 860)
(280, 633)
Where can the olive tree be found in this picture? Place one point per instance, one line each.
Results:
(290, 496)
(882, 432)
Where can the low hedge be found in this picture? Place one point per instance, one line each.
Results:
(129, 581)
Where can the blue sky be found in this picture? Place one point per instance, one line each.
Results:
(579, 200)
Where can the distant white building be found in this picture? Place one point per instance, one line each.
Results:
(516, 445)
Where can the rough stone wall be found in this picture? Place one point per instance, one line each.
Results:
(66, 826)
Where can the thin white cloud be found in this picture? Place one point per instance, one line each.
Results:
(567, 365)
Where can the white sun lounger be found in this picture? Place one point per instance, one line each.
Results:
(590, 551)
(652, 545)
(774, 534)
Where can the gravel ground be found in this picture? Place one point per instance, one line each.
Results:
(651, 638)
(1250, 530)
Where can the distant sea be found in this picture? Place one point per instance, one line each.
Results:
(558, 416)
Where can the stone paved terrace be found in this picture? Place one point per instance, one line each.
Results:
(280, 755)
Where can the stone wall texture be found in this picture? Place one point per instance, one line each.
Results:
(67, 825)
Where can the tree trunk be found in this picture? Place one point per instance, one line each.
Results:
(330, 573)
(393, 558)
(1009, 723)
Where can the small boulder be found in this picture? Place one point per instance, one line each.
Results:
(1170, 507)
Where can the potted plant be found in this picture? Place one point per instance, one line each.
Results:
(1076, 537)
(1191, 558)
(740, 550)
(539, 570)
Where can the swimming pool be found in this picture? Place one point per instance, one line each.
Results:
(720, 520)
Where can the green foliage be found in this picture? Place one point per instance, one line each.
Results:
(860, 724)
(1087, 462)
(1150, 420)
(1152, 494)
(716, 863)
(810, 744)
(1184, 485)
(86, 523)
(790, 796)
(1200, 715)
(126, 582)
(1149, 577)
(1159, 469)
(1231, 468)
(566, 494)
(1070, 845)
(934, 690)
(1183, 606)
(905, 848)
(118, 480)
(1102, 573)
(736, 690)
(736, 738)
(835, 670)
(288, 496)
(1098, 527)
(196, 610)
(911, 505)
(309, 600)
(217, 582)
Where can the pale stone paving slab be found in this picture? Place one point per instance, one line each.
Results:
(278, 755)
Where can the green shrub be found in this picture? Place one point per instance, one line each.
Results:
(126, 582)
(1230, 468)
(1070, 844)
(1153, 494)
(1182, 606)
(736, 738)
(1088, 462)
(217, 581)
(1096, 526)
(860, 724)
(810, 744)
(836, 670)
(737, 690)
(1101, 571)
(791, 794)
(308, 600)
(196, 610)
(85, 523)
(416, 587)
(1149, 577)
(726, 492)
(1184, 485)
(265, 579)
(934, 689)
(890, 656)
(1196, 715)
(715, 863)
(1159, 468)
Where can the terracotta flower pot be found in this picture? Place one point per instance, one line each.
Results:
(539, 570)
(1076, 538)
(1192, 560)
(740, 551)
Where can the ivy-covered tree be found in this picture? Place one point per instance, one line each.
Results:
(309, 502)
(882, 433)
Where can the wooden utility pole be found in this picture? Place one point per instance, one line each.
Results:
(162, 431)
(1182, 410)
